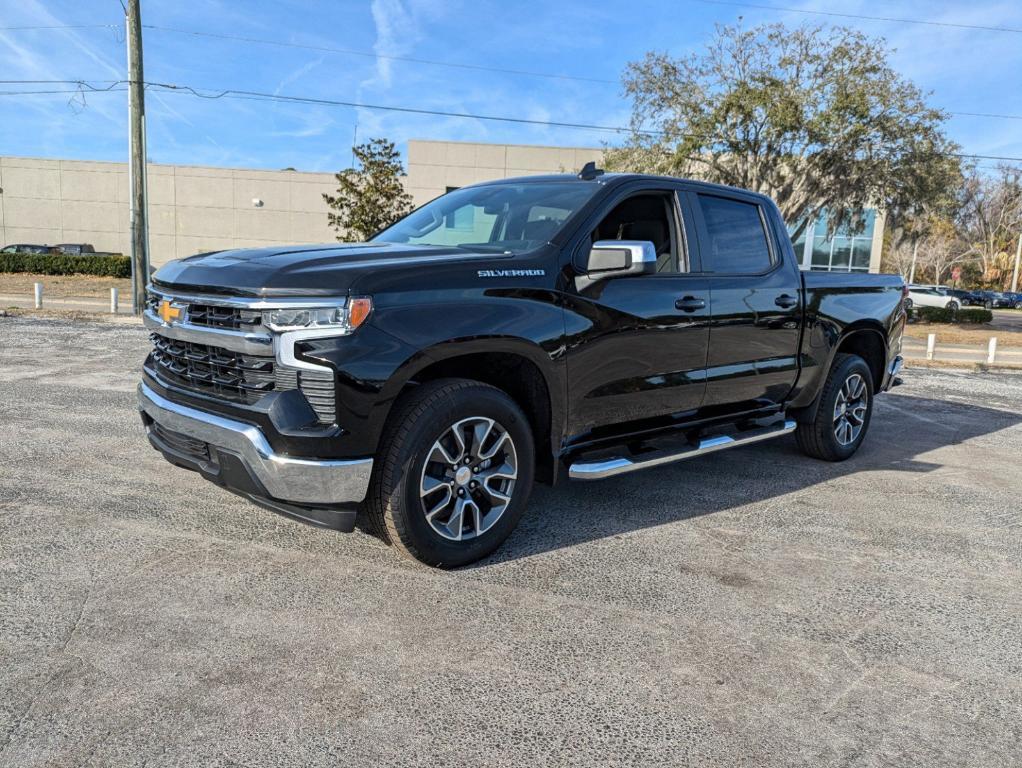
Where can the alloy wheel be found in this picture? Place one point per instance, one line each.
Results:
(468, 478)
(850, 409)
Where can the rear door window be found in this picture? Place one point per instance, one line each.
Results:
(736, 234)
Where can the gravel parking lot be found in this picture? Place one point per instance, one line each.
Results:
(751, 608)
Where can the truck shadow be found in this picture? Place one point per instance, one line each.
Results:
(904, 430)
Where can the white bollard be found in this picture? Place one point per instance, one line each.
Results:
(113, 301)
(931, 342)
(38, 295)
(992, 350)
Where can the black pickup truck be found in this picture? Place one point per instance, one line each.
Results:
(508, 332)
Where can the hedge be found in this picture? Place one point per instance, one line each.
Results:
(101, 264)
(941, 315)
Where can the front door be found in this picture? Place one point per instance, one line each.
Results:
(637, 344)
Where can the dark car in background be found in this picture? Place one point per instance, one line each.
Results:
(965, 298)
(1014, 299)
(75, 249)
(995, 300)
(26, 248)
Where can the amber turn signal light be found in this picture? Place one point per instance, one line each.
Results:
(358, 311)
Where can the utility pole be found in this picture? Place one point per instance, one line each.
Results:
(1018, 257)
(137, 158)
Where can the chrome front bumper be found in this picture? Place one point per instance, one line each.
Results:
(286, 479)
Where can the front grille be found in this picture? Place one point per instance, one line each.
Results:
(213, 370)
(228, 318)
(181, 444)
(233, 376)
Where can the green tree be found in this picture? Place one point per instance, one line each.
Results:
(815, 118)
(371, 196)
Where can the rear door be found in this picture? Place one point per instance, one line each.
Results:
(637, 344)
(756, 312)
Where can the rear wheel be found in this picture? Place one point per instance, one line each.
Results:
(843, 415)
(454, 473)
(952, 306)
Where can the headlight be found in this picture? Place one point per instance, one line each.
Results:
(345, 318)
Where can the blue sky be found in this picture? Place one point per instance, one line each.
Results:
(967, 71)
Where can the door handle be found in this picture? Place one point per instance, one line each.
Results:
(785, 301)
(689, 304)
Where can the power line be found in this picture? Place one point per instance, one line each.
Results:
(59, 26)
(985, 114)
(231, 93)
(259, 96)
(373, 55)
(70, 90)
(981, 27)
(85, 82)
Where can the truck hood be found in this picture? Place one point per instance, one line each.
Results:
(326, 270)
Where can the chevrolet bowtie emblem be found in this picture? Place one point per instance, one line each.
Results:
(168, 312)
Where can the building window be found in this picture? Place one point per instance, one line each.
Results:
(844, 252)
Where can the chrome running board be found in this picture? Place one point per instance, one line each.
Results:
(619, 465)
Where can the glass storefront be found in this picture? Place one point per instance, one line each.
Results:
(846, 251)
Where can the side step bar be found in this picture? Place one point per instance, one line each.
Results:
(619, 465)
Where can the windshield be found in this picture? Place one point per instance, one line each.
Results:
(502, 218)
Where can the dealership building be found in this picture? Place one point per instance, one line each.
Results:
(196, 208)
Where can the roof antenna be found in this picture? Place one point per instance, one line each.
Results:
(590, 171)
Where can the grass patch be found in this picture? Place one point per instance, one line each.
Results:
(65, 286)
(950, 333)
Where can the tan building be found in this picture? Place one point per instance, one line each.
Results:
(194, 209)
(191, 209)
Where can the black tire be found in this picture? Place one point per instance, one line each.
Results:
(988, 305)
(819, 438)
(952, 306)
(419, 420)
(908, 305)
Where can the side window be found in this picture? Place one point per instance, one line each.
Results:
(644, 217)
(737, 239)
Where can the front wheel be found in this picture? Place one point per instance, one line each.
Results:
(454, 472)
(843, 415)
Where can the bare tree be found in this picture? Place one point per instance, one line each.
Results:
(991, 220)
(941, 249)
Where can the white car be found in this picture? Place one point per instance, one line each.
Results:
(918, 296)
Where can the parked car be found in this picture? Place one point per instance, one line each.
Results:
(919, 296)
(75, 249)
(511, 331)
(26, 248)
(1002, 300)
(995, 299)
(1016, 299)
(965, 298)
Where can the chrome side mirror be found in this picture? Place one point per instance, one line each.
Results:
(616, 258)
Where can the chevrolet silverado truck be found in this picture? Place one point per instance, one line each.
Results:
(514, 331)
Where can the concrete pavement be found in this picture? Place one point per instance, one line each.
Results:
(750, 608)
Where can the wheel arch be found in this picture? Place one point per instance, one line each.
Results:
(519, 368)
(868, 340)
